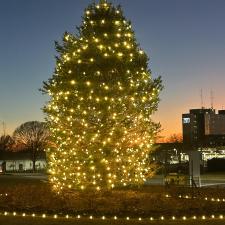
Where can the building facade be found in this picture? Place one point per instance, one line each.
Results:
(21, 162)
(204, 128)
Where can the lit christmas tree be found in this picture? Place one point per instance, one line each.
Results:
(102, 97)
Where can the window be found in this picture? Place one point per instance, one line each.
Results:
(186, 120)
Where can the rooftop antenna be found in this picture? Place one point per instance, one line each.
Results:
(211, 98)
(202, 103)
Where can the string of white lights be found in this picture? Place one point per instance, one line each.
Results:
(91, 217)
(213, 199)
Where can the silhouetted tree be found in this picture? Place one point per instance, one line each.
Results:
(5, 142)
(174, 138)
(32, 136)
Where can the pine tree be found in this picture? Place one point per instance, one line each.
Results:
(102, 97)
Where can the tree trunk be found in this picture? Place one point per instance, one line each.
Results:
(34, 157)
(34, 168)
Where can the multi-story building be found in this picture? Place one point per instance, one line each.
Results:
(204, 128)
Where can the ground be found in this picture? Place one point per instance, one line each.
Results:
(31, 193)
(51, 221)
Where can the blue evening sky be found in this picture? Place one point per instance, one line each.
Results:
(185, 40)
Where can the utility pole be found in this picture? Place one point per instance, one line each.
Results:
(201, 96)
(211, 98)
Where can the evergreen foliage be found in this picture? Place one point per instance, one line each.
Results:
(102, 97)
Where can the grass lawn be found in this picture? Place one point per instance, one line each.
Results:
(50, 221)
(32, 194)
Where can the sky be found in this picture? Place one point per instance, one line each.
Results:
(185, 40)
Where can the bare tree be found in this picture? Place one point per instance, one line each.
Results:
(175, 138)
(32, 136)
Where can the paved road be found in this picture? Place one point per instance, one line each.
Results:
(206, 180)
(15, 179)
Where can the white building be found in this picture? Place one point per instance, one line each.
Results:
(21, 162)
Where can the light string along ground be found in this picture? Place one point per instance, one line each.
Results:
(213, 199)
(91, 217)
(67, 216)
